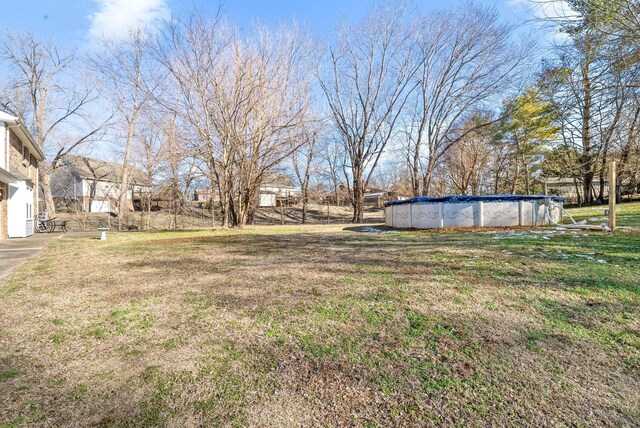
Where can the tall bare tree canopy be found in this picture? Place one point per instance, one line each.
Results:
(427, 102)
(467, 59)
(242, 98)
(127, 80)
(591, 80)
(44, 90)
(367, 83)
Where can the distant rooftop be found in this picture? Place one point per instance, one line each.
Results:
(97, 169)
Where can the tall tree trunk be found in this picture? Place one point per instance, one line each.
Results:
(427, 178)
(358, 197)
(516, 178)
(415, 173)
(527, 184)
(578, 196)
(45, 185)
(602, 178)
(587, 161)
(305, 201)
(124, 185)
(359, 187)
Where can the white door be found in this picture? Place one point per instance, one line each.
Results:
(29, 210)
(16, 210)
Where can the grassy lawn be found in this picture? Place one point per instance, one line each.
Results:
(627, 214)
(325, 326)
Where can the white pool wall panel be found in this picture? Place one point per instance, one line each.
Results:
(459, 215)
(402, 216)
(501, 214)
(426, 216)
(485, 213)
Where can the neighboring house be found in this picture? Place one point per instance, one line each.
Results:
(205, 196)
(372, 196)
(377, 197)
(19, 158)
(93, 185)
(569, 187)
(274, 188)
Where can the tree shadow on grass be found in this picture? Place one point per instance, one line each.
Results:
(378, 257)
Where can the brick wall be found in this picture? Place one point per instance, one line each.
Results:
(17, 158)
(21, 160)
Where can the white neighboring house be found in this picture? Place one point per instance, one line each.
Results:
(572, 188)
(93, 185)
(19, 158)
(275, 186)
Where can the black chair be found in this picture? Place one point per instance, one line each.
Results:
(42, 226)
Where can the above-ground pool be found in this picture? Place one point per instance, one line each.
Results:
(469, 211)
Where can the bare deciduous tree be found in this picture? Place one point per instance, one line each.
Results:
(126, 82)
(46, 94)
(303, 161)
(244, 100)
(368, 81)
(149, 152)
(467, 162)
(466, 58)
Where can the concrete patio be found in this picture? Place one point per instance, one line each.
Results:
(16, 251)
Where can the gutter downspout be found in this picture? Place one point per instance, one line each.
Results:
(5, 166)
(7, 161)
(37, 219)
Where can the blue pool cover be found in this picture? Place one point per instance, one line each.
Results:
(472, 198)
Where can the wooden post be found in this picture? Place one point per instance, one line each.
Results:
(612, 196)
(328, 208)
(282, 207)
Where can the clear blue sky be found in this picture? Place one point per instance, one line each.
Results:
(70, 22)
(78, 23)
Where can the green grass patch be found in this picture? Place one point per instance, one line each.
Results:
(9, 374)
(290, 326)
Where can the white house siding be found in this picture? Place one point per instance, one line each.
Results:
(279, 191)
(267, 200)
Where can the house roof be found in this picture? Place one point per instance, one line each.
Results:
(20, 129)
(567, 181)
(278, 180)
(203, 191)
(96, 169)
(6, 176)
(21, 176)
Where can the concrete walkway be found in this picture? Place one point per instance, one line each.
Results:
(16, 251)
